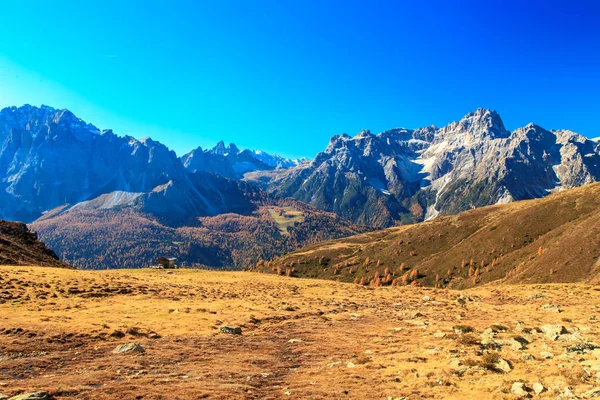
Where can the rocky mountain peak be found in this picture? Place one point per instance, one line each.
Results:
(219, 148)
(223, 150)
(475, 126)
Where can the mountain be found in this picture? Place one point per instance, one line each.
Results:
(406, 176)
(50, 157)
(20, 246)
(553, 239)
(233, 163)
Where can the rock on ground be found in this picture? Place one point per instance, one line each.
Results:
(129, 348)
(518, 389)
(232, 330)
(553, 331)
(33, 396)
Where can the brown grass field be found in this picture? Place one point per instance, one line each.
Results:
(301, 339)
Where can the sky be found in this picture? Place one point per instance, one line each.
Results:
(284, 76)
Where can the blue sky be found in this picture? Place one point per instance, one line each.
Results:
(283, 76)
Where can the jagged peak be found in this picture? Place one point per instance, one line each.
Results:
(484, 115)
(364, 133)
(233, 148)
(480, 123)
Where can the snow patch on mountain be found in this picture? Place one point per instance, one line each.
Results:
(431, 171)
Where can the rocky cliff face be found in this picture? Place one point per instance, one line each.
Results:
(405, 176)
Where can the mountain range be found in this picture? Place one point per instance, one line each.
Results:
(70, 179)
(49, 158)
(405, 176)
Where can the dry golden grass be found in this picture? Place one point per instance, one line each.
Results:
(286, 217)
(301, 339)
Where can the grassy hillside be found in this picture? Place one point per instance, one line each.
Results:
(19, 246)
(128, 238)
(300, 339)
(554, 239)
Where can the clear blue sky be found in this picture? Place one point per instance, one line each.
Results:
(283, 76)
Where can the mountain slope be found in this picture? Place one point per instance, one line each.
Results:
(95, 236)
(553, 239)
(405, 176)
(20, 246)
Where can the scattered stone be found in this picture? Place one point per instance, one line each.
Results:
(33, 396)
(426, 298)
(527, 357)
(439, 335)
(462, 329)
(502, 365)
(567, 392)
(553, 331)
(551, 308)
(295, 341)
(3, 396)
(117, 334)
(129, 348)
(538, 388)
(350, 365)
(417, 322)
(592, 393)
(519, 389)
(536, 296)
(546, 355)
(497, 328)
(462, 300)
(518, 343)
(520, 327)
(154, 335)
(581, 348)
(231, 330)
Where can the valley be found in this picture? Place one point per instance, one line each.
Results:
(299, 338)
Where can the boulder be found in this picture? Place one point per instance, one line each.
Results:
(502, 365)
(538, 388)
(553, 331)
(519, 389)
(132, 348)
